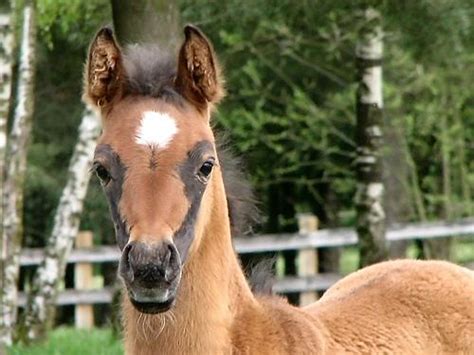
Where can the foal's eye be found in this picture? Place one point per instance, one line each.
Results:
(102, 174)
(206, 168)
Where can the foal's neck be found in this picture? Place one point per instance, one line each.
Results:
(212, 291)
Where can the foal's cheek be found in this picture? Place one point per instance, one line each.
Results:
(121, 230)
(202, 219)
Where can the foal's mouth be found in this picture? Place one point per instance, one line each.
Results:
(152, 307)
(152, 301)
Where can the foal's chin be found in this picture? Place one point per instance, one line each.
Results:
(152, 307)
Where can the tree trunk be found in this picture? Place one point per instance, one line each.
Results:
(6, 64)
(370, 223)
(329, 258)
(396, 179)
(147, 21)
(15, 175)
(41, 302)
(287, 213)
(463, 164)
(441, 248)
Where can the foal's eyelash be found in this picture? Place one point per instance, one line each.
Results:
(92, 168)
(95, 165)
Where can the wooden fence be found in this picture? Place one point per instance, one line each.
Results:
(306, 242)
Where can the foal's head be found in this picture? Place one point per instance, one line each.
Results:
(156, 158)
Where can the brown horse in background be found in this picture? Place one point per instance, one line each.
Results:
(173, 214)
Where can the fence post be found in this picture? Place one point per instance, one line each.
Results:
(307, 258)
(83, 280)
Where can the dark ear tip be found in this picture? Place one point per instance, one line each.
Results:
(106, 32)
(190, 29)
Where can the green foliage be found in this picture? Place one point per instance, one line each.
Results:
(65, 29)
(289, 67)
(73, 20)
(72, 341)
(277, 57)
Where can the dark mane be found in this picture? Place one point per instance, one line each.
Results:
(241, 202)
(151, 72)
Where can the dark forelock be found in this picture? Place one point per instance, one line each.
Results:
(150, 72)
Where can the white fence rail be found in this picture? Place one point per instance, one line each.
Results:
(323, 238)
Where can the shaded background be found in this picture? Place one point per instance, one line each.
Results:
(290, 106)
(289, 113)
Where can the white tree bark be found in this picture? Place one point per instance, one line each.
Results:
(6, 49)
(370, 189)
(41, 303)
(18, 140)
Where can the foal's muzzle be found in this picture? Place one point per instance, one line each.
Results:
(151, 273)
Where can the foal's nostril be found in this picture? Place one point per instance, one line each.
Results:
(125, 262)
(168, 253)
(173, 265)
(149, 275)
(149, 265)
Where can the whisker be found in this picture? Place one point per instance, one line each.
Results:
(163, 324)
(149, 325)
(137, 323)
(170, 314)
(143, 326)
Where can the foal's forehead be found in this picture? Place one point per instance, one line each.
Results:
(149, 123)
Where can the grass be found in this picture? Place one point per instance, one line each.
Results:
(70, 341)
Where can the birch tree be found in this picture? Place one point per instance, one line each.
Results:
(6, 49)
(370, 222)
(41, 302)
(16, 154)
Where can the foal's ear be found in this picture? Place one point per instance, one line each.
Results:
(198, 78)
(104, 74)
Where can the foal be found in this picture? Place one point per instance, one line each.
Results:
(185, 290)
